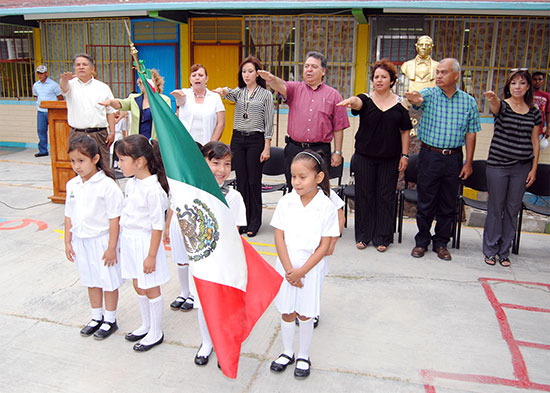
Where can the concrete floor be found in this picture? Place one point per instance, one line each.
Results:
(389, 322)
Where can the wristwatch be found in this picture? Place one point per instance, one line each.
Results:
(337, 152)
(405, 155)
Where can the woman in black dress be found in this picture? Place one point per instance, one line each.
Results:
(381, 152)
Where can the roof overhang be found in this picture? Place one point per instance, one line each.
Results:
(54, 9)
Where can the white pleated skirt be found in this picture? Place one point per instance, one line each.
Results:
(134, 247)
(306, 301)
(179, 252)
(92, 269)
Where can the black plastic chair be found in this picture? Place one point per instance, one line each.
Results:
(348, 192)
(540, 188)
(476, 181)
(274, 166)
(407, 194)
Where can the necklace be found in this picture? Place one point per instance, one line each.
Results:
(199, 95)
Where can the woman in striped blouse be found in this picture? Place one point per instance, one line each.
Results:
(512, 163)
(251, 141)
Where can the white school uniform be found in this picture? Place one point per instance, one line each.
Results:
(303, 227)
(143, 211)
(338, 204)
(90, 205)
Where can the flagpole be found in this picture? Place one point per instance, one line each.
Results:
(133, 50)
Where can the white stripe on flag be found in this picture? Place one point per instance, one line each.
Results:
(226, 264)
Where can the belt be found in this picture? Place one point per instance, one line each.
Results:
(248, 133)
(94, 129)
(306, 145)
(445, 152)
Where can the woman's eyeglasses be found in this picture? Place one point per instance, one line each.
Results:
(519, 69)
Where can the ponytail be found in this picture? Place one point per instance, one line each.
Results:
(156, 166)
(136, 146)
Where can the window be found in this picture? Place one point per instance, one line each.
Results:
(16, 62)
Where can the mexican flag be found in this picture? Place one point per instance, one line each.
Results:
(235, 284)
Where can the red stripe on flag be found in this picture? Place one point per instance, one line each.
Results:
(262, 286)
(231, 313)
(223, 308)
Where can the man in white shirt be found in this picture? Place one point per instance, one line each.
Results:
(84, 114)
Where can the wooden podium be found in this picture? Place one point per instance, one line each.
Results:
(62, 170)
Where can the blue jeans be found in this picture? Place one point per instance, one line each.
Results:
(42, 129)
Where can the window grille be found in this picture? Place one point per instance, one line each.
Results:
(16, 62)
(105, 40)
(282, 42)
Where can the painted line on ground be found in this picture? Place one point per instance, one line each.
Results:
(518, 362)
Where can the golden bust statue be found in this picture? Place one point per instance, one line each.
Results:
(421, 69)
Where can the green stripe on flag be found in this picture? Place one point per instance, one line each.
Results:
(182, 158)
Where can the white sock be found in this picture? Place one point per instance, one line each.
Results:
(206, 346)
(145, 316)
(183, 275)
(97, 314)
(155, 312)
(110, 316)
(287, 333)
(306, 335)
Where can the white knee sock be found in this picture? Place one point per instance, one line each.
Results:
(207, 345)
(287, 334)
(155, 312)
(306, 334)
(183, 275)
(145, 316)
(110, 316)
(97, 313)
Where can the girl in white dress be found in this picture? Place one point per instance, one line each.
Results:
(305, 220)
(92, 212)
(218, 157)
(142, 254)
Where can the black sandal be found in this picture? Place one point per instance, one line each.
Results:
(278, 367)
(491, 261)
(505, 262)
(299, 372)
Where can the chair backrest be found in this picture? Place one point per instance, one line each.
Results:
(477, 180)
(541, 186)
(411, 173)
(276, 164)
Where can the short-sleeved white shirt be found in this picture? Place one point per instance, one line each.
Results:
(83, 109)
(91, 204)
(304, 226)
(237, 207)
(145, 202)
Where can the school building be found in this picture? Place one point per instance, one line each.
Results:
(488, 37)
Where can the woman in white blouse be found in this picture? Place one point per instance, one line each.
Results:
(200, 110)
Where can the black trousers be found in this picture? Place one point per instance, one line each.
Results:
(437, 187)
(375, 185)
(292, 149)
(248, 169)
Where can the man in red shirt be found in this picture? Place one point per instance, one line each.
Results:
(314, 120)
(542, 101)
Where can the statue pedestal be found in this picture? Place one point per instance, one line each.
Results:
(59, 129)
